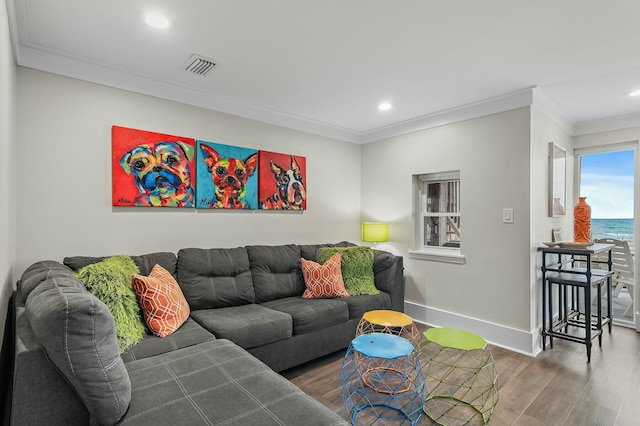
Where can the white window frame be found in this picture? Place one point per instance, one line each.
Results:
(420, 249)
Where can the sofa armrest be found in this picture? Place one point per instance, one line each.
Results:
(388, 270)
(40, 395)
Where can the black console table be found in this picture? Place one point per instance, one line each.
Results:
(570, 268)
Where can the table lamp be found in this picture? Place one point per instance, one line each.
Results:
(375, 232)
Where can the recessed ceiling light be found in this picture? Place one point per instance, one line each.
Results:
(157, 20)
(634, 93)
(385, 106)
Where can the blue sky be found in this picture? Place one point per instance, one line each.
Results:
(607, 182)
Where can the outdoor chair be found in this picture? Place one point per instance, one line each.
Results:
(623, 268)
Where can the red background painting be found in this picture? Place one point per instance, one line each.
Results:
(266, 181)
(123, 139)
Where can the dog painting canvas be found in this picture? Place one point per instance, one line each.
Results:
(152, 169)
(282, 181)
(226, 176)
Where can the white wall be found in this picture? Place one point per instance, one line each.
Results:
(64, 196)
(7, 164)
(543, 131)
(64, 177)
(492, 154)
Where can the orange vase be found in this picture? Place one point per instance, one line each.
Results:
(582, 221)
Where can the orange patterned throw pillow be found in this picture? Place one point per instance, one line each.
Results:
(323, 281)
(164, 307)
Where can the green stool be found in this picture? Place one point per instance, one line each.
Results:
(460, 375)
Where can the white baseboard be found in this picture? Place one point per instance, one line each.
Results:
(526, 343)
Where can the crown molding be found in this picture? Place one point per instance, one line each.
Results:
(531, 96)
(545, 105)
(33, 56)
(56, 63)
(519, 99)
(13, 29)
(607, 124)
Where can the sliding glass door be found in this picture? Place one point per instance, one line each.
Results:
(607, 176)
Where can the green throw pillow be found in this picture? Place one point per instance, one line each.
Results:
(110, 281)
(357, 268)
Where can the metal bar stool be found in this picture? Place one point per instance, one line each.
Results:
(575, 321)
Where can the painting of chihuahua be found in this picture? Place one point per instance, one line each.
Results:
(230, 177)
(161, 172)
(290, 192)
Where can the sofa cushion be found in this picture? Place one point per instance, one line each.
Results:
(215, 278)
(145, 262)
(39, 272)
(309, 251)
(358, 305)
(323, 281)
(161, 300)
(217, 383)
(110, 281)
(247, 325)
(190, 333)
(357, 268)
(78, 334)
(382, 260)
(311, 314)
(276, 271)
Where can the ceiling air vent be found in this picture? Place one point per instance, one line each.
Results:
(199, 65)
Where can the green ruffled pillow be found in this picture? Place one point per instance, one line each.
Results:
(357, 268)
(110, 281)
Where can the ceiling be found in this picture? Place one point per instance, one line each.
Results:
(324, 66)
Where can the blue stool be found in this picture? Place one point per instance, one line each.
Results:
(382, 379)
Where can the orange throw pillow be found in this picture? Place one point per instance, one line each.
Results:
(164, 307)
(323, 281)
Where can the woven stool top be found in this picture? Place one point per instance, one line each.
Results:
(387, 318)
(456, 339)
(382, 345)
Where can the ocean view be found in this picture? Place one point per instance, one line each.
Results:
(621, 229)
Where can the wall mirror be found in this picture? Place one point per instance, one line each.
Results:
(557, 180)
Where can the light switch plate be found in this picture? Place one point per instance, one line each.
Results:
(507, 215)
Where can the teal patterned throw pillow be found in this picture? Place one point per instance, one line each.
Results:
(110, 281)
(357, 268)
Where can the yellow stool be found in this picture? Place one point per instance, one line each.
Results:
(389, 322)
(461, 377)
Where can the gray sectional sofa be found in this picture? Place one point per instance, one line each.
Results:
(247, 322)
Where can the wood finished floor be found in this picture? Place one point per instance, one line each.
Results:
(558, 387)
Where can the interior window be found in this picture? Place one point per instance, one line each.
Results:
(440, 209)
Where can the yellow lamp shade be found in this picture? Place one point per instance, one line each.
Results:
(375, 232)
